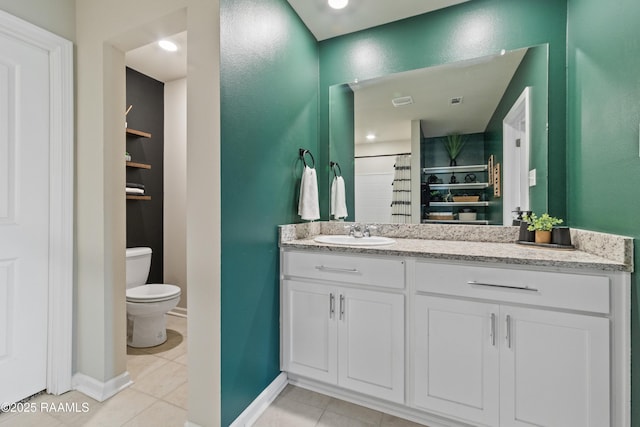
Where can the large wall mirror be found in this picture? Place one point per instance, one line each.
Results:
(389, 136)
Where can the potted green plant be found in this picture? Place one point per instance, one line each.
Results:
(542, 226)
(453, 143)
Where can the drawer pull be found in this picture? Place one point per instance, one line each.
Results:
(493, 329)
(332, 306)
(493, 285)
(341, 307)
(336, 269)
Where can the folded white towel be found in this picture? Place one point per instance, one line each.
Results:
(308, 205)
(338, 198)
(130, 190)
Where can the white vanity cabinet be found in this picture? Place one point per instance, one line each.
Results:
(512, 347)
(343, 321)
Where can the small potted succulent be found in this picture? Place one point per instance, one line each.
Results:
(542, 226)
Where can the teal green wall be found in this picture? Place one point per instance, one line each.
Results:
(532, 73)
(603, 119)
(472, 29)
(268, 109)
(341, 148)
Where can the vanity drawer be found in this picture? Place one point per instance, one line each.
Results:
(541, 288)
(365, 270)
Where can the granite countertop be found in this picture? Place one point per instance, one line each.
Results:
(618, 250)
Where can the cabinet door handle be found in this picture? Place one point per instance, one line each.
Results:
(493, 329)
(508, 331)
(493, 285)
(336, 269)
(341, 307)
(332, 306)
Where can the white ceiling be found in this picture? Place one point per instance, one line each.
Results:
(481, 82)
(158, 63)
(326, 23)
(321, 20)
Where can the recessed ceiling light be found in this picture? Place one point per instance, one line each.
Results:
(338, 4)
(167, 45)
(371, 136)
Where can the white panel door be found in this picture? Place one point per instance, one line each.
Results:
(457, 358)
(310, 337)
(554, 369)
(371, 343)
(24, 218)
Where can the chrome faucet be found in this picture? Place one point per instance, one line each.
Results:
(355, 230)
(367, 230)
(359, 231)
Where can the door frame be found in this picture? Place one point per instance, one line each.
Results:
(61, 195)
(520, 109)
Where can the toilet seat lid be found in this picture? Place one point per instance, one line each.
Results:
(153, 292)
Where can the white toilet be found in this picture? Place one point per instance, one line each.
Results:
(146, 304)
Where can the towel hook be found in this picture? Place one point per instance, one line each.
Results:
(303, 152)
(333, 168)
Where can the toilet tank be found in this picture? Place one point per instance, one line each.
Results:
(137, 266)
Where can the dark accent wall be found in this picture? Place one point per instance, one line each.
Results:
(603, 118)
(145, 217)
(268, 110)
(464, 31)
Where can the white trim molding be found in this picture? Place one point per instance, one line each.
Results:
(99, 390)
(61, 195)
(178, 312)
(261, 403)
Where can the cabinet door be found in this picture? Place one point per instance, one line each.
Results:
(554, 369)
(371, 343)
(310, 334)
(457, 358)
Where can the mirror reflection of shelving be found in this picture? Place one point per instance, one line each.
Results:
(137, 165)
(456, 194)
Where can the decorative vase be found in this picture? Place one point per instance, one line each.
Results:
(525, 235)
(452, 162)
(561, 236)
(543, 236)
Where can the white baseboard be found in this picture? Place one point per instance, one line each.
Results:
(264, 399)
(99, 390)
(178, 311)
(397, 410)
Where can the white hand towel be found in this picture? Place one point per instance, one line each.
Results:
(308, 205)
(338, 198)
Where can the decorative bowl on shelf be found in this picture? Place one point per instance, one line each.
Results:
(466, 198)
(467, 216)
(442, 216)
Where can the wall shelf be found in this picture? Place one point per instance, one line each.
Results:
(134, 197)
(138, 165)
(454, 204)
(454, 221)
(138, 133)
(461, 186)
(455, 169)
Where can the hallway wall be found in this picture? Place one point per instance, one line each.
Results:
(175, 186)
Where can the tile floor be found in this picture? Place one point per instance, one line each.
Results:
(158, 398)
(298, 407)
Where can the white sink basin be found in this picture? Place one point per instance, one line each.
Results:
(354, 241)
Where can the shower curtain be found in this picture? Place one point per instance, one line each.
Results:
(401, 198)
